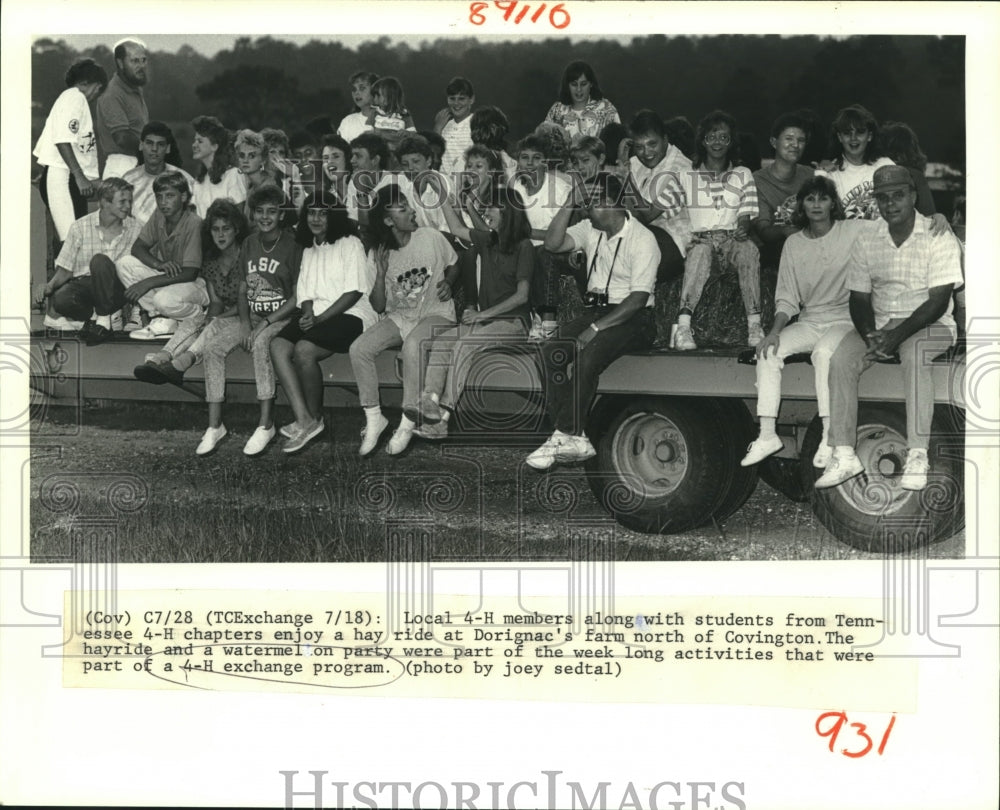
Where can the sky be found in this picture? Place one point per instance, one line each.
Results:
(209, 45)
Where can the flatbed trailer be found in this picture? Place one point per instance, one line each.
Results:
(669, 427)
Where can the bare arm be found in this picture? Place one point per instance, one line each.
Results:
(69, 158)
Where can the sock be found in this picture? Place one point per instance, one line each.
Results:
(406, 423)
(684, 319)
(445, 414)
(103, 320)
(826, 430)
(372, 414)
(767, 427)
(183, 362)
(843, 450)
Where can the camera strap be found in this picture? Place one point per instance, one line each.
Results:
(614, 259)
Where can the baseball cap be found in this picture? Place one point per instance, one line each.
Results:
(890, 178)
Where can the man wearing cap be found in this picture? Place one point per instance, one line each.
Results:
(121, 109)
(900, 278)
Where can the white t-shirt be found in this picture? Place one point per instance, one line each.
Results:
(623, 264)
(143, 198)
(457, 138)
(328, 271)
(542, 206)
(412, 278)
(232, 186)
(69, 122)
(353, 125)
(855, 186)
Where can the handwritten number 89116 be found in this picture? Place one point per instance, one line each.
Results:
(558, 17)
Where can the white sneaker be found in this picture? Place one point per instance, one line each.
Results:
(211, 440)
(755, 334)
(545, 456)
(760, 449)
(541, 330)
(158, 329)
(575, 448)
(400, 441)
(684, 339)
(370, 435)
(822, 457)
(915, 470)
(842, 467)
(61, 323)
(259, 441)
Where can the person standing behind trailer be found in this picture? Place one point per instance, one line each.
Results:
(389, 117)
(622, 259)
(901, 279)
(454, 124)
(122, 111)
(109, 232)
(67, 148)
(582, 108)
(356, 123)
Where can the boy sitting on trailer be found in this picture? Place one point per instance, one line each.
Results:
(162, 273)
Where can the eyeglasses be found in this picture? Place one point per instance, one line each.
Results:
(717, 137)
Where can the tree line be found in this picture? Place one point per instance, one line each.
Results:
(266, 81)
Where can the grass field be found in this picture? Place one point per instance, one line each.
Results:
(131, 467)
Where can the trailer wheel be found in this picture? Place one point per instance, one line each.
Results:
(872, 512)
(660, 464)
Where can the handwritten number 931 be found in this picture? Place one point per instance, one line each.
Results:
(830, 725)
(557, 15)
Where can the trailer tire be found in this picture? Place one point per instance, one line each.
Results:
(661, 462)
(871, 512)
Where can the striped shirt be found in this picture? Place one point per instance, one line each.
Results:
(84, 241)
(900, 278)
(665, 185)
(716, 201)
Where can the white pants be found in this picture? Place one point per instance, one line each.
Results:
(117, 165)
(822, 340)
(60, 202)
(180, 301)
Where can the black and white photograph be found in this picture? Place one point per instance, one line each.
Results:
(656, 337)
(249, 443)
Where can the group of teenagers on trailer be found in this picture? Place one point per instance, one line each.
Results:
(355, 241)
